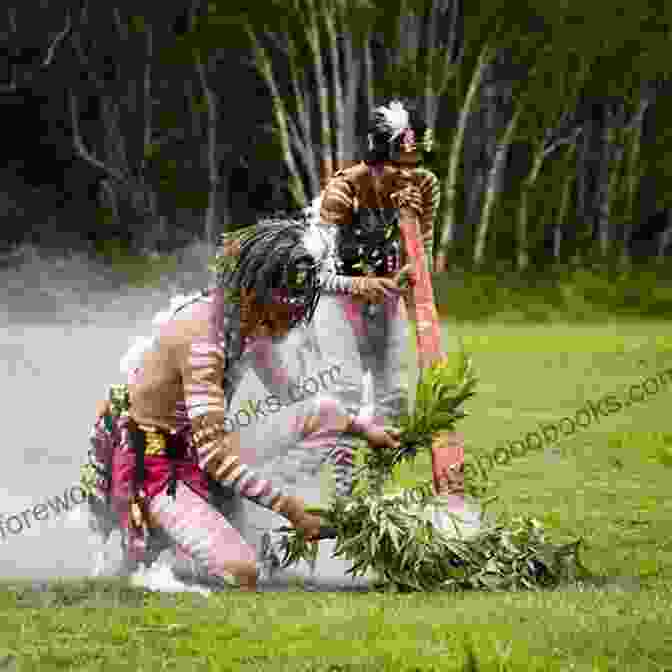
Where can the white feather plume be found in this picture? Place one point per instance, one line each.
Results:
(396, 116)
(319, 239)
(133, 358)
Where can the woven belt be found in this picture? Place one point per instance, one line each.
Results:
(155, 440)
(159, 441)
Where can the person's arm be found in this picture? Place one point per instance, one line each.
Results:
(270, 366)
(336, 211)
(430, 191)
(201, 366)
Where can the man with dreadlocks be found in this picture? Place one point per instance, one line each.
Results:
(173, 441)
(360, 318)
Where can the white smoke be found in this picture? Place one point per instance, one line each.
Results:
(65, 324)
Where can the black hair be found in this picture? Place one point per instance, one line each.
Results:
(272, 256)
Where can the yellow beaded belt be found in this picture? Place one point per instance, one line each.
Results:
(155, 440)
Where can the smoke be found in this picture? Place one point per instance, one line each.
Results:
(65, 323)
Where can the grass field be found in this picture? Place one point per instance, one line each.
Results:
(608, 483)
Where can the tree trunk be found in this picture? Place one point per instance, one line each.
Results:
(264, 68)
(611, 155)
(495, 180)
(445, 29)
(564, 205)
(326, 136)
(665, 238)
(211, 215)
(633, 175)
(548, 147)
(336, 80)
(447, 230)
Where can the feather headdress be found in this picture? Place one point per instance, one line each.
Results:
(396, 128)
(396, 118)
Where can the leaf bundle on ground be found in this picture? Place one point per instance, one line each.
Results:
(396, 536)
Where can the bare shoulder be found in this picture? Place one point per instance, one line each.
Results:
(349, 175)
(187, 326)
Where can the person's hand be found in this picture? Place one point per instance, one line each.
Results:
(382, 437)
(310, 525)
(294, 509)
(103, 408)
(375, 290)
(408, 198)
(409, 272)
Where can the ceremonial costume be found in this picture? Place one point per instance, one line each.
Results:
(159, 452)
(361, 212)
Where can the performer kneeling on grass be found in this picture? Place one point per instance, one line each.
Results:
(175, 437)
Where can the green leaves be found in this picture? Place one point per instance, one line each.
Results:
(440, 394)
(394, 536)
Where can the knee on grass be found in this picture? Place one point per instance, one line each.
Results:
(243, 573)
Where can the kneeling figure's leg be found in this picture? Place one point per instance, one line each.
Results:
(206, 535)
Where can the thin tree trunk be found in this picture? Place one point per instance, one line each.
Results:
(326, 135)
(368, 74)
(211, 216)
(564, 205)
(352, 70)
(447, 232)
(13, 49)
(194, 115)
(665, 238)
(264, 68)
(336, 80)
(612, 152)
(447, 55)
(607, 234)
(495, 180)
(634, 174)
(304, 125)
(542, 153)
(301, 136)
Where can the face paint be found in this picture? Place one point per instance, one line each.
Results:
(292, 309)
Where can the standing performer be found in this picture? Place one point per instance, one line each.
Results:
(174, 439)
(360, 319)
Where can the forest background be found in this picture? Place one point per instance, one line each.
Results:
(132, 130)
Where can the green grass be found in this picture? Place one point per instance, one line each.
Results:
(608, 483)
(592, 293)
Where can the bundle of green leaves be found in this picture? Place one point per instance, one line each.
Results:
(440, 395)
(395, 535)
